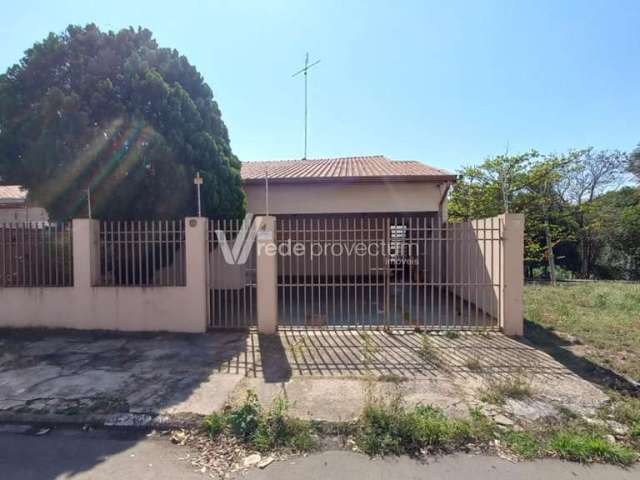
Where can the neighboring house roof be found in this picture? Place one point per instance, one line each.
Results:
(371, 168)
(12, 194)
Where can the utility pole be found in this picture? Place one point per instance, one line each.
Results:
(304, 71)
(89, 202)
(198, 180)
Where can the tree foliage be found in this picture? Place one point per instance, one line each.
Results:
(634, 162)
(563, 199)
(116, 114)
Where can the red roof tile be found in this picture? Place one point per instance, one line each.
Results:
(372, 168)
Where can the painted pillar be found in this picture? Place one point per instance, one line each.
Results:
(266, 275)
(86, 258)
(512, 274)
(197, 257)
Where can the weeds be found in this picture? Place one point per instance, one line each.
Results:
(244, 420)
(473, 364)
(214, 424)
(427, 351)
(497, 391)
(589, 447)
(369, 347)
(452, 334)
(264, 431)
(277, 430)
(389, 428)
(523, 444)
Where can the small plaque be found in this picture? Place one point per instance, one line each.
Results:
(193, 222)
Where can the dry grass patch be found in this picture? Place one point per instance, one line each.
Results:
(498, 390)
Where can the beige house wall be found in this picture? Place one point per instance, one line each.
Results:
(327, 198)
(23, 214)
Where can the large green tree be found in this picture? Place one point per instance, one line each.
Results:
(114, 113)
(634, 162)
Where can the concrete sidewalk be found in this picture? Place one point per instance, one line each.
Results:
(326, 374)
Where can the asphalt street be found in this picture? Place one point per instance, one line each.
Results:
(102, 454)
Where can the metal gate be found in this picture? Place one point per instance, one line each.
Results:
(388, 271)
(231, 287)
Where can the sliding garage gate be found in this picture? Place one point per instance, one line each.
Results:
(388, 271)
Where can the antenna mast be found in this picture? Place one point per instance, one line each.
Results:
(304, 70)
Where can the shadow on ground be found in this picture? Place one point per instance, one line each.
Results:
(548, 341)
(323, 371)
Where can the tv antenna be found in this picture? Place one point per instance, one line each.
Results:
(305, 70)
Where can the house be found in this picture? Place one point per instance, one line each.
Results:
(14, 206)
(349, 185)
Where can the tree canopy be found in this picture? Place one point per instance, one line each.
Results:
(574, 216)
(114, 113)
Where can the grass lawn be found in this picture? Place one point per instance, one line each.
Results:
(604, 318)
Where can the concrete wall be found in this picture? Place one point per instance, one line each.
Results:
(326, 198)
(489, 253)
(84, 306)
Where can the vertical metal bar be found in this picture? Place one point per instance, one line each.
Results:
(340, 286)
(291, 259)
(138, 280)
(311, 276)
(304, 269)
(63, 264)
(217, 293)
(501, 271)
(127, 229)
(368, 276)
(3, 280)
(154, 241)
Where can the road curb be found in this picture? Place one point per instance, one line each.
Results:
(136, 421)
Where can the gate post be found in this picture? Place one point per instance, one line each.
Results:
(197, 258)
(266, 275)
(512, 274)
(86, 257)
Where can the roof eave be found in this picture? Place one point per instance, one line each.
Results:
(360, 179)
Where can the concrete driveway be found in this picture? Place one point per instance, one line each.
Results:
(326, 374)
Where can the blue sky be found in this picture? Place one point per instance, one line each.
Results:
(446, 83)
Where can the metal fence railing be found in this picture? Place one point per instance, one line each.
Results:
(142, 253)
(389, 271)
(232, 287)
(36, 255)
